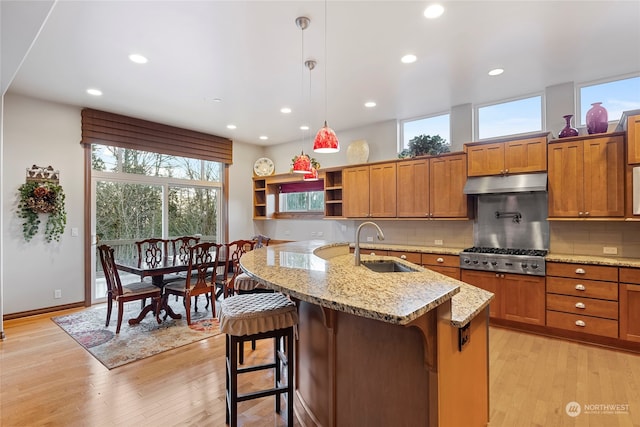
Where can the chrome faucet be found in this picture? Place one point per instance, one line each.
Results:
(380, 235)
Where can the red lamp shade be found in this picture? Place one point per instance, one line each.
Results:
(302, 164)
(313, 176)
(326, 140)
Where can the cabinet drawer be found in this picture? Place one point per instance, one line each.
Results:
(453, 272)
(413, 257)
(583, 271)
(585, 324)
(583, 306)
(582, 288)
(373, 252)
(629, 275)
(441, 260)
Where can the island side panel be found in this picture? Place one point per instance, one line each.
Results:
(381, 375)
(314, 379)
(463, 376)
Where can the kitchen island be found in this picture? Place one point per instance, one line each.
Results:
(380, 349)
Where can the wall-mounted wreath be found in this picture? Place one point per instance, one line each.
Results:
(42, 195)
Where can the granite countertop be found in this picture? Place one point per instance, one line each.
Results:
(594, 259)
(410, 248)
(323, 273)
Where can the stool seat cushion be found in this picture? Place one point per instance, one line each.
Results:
(249, 314)
(245, 283)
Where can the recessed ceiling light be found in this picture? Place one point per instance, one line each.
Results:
(216, 99)
(433, 11)
(94, 92)
(264, 137)
(370, 104)
(496, 72)
(231, 126)
(138, 59)
(408, 59)
(285, 110)
(304, 127)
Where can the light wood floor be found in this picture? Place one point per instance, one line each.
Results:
(48, 379)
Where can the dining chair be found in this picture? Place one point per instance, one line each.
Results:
(200, 279)
(180, 252)
(234, 251)
(152, 251)
(120, 293)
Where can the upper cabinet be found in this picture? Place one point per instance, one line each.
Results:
(432, 187)
(369, 191)
(586, 177)
(633, 139)
(507, 157)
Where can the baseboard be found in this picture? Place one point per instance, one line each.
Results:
(44, 310)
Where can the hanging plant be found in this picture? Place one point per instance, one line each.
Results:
(38, 197)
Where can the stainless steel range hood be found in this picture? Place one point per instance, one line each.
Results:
(506, 184)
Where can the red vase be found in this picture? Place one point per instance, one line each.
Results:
(597, 119)
(568, 130)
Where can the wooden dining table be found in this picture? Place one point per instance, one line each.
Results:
(167, 265)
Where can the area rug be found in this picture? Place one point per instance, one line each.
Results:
(135, 342)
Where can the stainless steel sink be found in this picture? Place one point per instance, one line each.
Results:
(387, 266)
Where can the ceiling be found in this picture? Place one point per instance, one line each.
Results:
(250, 54)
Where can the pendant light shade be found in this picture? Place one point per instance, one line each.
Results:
(326, 140)
(313, 176)
(302, 164)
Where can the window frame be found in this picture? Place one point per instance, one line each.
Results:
(581, 115)
(476, 115)
(401, 125)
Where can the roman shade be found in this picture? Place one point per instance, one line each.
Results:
(100, 127)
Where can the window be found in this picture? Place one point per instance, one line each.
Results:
(434, 125)
(297, 197)
(616, 96)
(138, 194)
(510, 118)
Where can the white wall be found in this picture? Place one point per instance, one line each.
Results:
(44, 133)
(41, 133)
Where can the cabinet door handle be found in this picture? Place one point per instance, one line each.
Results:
(580, 287)
(580, 305)
(581, 323)
(439, 260)
(580, 271)
(586, 213)
(373, 253)
(580, 213)
(506, 171)
(403, 257)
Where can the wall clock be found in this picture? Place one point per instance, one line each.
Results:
(263, 167)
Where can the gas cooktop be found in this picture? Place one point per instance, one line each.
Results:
(507, 260)
(507, 251)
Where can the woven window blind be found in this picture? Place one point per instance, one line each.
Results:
(99, 127)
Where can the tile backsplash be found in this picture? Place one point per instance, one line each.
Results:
(589, 238)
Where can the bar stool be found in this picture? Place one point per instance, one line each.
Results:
(253, 317)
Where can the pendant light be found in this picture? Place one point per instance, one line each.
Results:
(326, 140)
(302, 164)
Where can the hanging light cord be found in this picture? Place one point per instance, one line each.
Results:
(326, 62)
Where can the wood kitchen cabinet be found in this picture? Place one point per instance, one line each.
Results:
(630, 304)
(518, 297)
(432, 188)
(586, 177)
(449, 265)
(583, 298)
(633, 139)
(259, 198)
(507, 157)
(369, 191)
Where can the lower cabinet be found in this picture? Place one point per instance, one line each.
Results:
(630, 304)
(518, 297)
(449, 265)
(583, 298)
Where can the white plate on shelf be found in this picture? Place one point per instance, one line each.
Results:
(263, 167)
